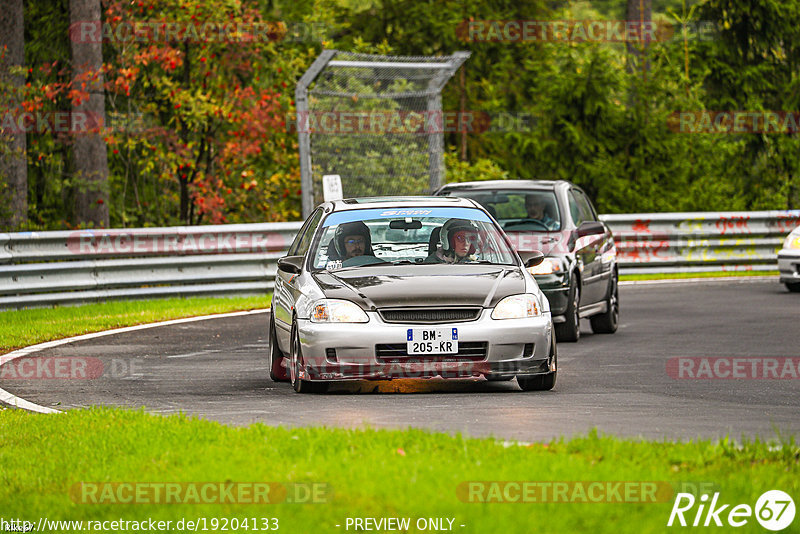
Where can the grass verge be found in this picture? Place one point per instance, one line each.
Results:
(369, 473)
(20, 328)
(710, 274)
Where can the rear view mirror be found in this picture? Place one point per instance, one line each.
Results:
(531, 259)
(291, 264)
(405, 225)
(591, 228)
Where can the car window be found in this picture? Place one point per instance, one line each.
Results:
(576, 212)
(303, 240)
(519, 210)
(408, 236)
(585, 206)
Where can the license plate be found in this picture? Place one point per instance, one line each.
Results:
(432, 340)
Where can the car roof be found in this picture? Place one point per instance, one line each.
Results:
(489, 185)
(348, 204)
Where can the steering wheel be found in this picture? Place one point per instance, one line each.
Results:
(526, 221)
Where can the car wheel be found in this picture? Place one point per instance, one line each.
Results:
(543, 382)
(299, 385)
(570, 330)
(277, 367)
(794, 287)
(607, 322)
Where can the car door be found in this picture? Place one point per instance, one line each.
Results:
(587, 249)
(286, 290)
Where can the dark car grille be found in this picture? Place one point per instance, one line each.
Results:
(429, 315)
(468, 351)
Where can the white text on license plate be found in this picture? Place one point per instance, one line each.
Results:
(432, 340)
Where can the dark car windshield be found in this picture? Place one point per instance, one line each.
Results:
(518, 210)
(409, 236)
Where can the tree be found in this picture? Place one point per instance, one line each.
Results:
(13, 164)
(89, 148)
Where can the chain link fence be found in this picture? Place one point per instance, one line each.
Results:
(376, 121)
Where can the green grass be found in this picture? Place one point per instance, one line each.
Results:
(371, 473)
(709, 274)
(20, 328)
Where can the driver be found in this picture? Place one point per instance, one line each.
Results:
(457, 242)
(535, 205)
(353, 239)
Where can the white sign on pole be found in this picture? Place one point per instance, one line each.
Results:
(331, 187)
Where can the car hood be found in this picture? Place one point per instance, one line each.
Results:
(423, 285)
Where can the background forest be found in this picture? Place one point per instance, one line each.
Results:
(196, 130)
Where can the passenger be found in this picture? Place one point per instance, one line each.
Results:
(457, 242)
(353, 239)
(535, 205)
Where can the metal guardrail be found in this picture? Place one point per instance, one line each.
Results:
(700, 241)
(47, 268)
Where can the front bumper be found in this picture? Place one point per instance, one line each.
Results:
(556, 288)
(789, 266)
(337, 351)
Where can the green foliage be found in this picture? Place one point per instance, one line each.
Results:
(365, 472)
(199, 128)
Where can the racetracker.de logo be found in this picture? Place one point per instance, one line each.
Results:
(121, 31)
(728, 368)
(40, 122)
(110, 242)
(381, 122)
(580, 491)
(580, 31)
(200, 493)
(734, 122)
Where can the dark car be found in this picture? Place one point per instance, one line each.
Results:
(579, 274)
(375, 289)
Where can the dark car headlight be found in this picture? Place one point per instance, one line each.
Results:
(337, 311)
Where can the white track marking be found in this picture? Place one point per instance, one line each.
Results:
(18, 402)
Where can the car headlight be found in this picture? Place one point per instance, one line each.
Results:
(517, 307)
(548, 266)
(792, 241)
(337, 311)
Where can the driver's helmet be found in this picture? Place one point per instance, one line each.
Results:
(352, 228)
(449, 230)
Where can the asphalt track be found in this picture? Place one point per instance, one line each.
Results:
(617, 383)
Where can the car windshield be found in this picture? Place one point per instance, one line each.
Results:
(409, 236)
(518, 210)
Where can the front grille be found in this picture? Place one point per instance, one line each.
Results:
(468, 351)
(429, 315)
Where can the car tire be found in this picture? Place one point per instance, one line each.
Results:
(277, 372)
(299, 385)
(544, 382)
(608, 321)
(570, 330)
(794, 287)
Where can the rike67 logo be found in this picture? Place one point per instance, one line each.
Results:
(774, 510)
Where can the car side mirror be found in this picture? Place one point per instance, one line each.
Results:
(590, 228)
(531, 259)
(291, 264)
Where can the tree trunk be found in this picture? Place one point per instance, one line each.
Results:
(13, 145)
(639, 12)
(89, 148)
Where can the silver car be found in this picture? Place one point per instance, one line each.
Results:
(789, 261)
(420, 287)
